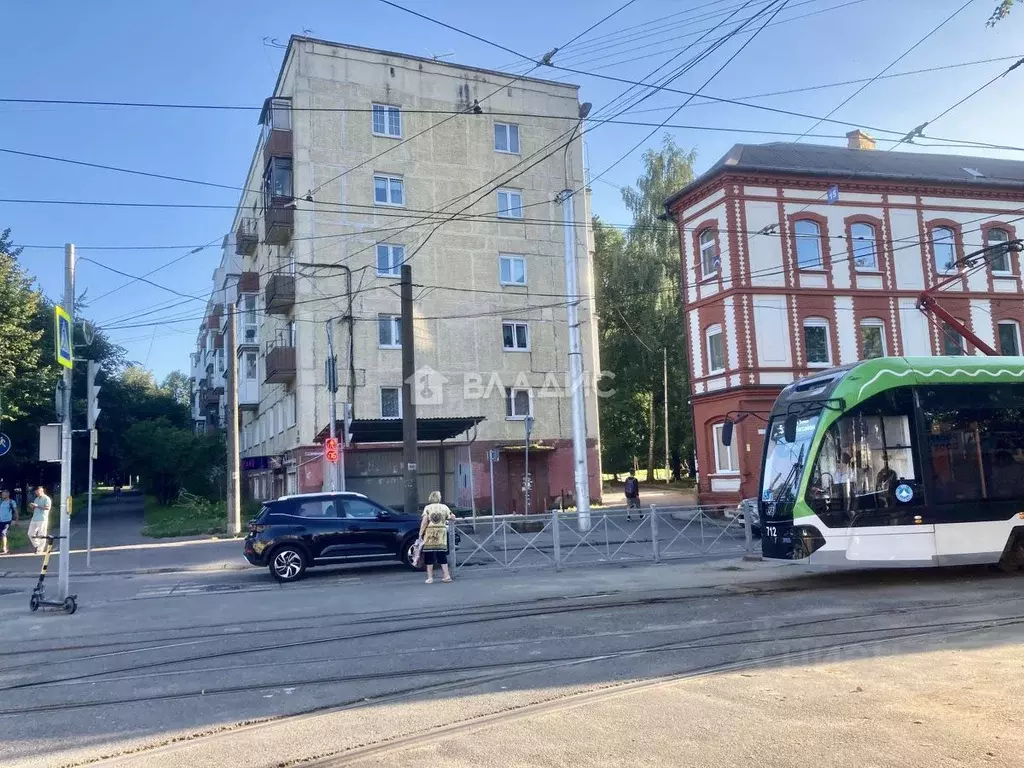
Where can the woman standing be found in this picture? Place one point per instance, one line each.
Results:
(434, 532)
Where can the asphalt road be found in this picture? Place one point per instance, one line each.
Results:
(661, 665)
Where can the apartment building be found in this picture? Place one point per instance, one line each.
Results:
(368, 160)
(798, 257)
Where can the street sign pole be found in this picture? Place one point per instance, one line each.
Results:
(92, 412)
(491, 458)
(528, 422)
(66, 345)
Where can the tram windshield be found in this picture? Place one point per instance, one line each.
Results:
(784, 462)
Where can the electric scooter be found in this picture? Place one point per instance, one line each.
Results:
(69, 604)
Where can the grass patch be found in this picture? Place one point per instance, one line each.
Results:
(17, 538)
(191, 516)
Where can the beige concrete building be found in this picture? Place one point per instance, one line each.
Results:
(367, 160)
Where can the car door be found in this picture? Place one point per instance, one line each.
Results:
(322, 528)
(371, 528)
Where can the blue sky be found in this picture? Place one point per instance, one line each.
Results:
(214, 53)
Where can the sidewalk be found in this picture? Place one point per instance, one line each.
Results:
(193, 554)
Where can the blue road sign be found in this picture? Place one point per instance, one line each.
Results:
(5, 444)
(833, 194)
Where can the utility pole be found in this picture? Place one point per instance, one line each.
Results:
(93, 411)
(527, 485)
(409, 469)
(234, 481)
(331, 377)
(664, 373)
(579, 419)
(64, 560)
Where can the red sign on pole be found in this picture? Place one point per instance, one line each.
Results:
(331, 449)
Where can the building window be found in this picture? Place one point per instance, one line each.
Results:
(506, 138)
(281, 114)
(515, 336)
(709, 261)
(277, 182)
(808, 244)
(251, 370)
(292, 330)
(512, 269)
(864, 244)
(389, 331)
(518, 404)
(390, 259)
(952, 342)
(1009, 338)
(819, 353)
(944, 249)
(278, 419)
(387, 121)
(716, 349)
(388, 190)
(872, 338)
(510, 204)
(391, 402)
(726, 456)
(291, 406)
(999, 260)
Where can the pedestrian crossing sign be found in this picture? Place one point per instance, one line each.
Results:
(62, 336)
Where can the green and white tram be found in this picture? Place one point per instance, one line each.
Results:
(898, 462)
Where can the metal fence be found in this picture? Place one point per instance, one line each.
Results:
(556, 538)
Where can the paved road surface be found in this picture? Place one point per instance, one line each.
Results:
(651, 665)
(114, 522)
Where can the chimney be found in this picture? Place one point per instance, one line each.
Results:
(859, 140)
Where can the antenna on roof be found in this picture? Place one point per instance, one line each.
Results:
(439, 56)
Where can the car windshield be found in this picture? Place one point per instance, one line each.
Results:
(783, 465)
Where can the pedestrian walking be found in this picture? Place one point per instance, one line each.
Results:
(434, 532)
(8, 517)
(632, 490)
(39, 524)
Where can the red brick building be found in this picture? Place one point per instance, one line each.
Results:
(797, 257)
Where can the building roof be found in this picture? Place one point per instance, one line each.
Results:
(390, 430)
(839, 162)
(411, 57)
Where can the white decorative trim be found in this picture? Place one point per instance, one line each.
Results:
(938, 372)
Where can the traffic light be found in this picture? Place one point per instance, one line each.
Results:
(93, 394)
(331, 449)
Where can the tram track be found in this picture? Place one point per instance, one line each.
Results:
(548, 704)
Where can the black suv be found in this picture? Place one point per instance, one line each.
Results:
(294, 533)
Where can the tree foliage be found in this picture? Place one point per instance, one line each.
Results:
(169, 458)
(1001, 12)
(178, 386)
(638, 278)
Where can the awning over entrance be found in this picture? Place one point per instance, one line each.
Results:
(390, 430)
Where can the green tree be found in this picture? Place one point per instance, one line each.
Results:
(638, 295)
(178, 386)
(169, 458)
(1001, 12)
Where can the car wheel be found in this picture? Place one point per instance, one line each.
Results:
(406, 555)
(288, 564)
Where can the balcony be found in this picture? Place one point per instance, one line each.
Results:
(280, 363)
(276, 119)
(279, 220)
(211, 395)
(248, 395)
(280, 294)
(247, 237)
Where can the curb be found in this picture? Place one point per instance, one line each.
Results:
(140, 571)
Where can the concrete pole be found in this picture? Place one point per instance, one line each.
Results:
(579, 419)
(331, 374)
(664, 363)
(409, 458)
(64, 560)
(234, 472)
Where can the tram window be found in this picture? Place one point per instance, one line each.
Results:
(976, 442)
(864, 456)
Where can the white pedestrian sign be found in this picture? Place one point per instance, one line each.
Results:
(5, 444)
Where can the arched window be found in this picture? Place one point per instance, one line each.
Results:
(872, 338)
(808, 244)
(709, 261)
(816, 342)
(999, 260)
(716, 348)
(943, 245)
(863, 242)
